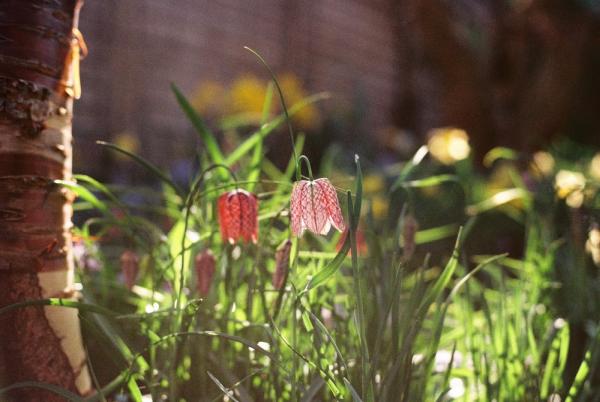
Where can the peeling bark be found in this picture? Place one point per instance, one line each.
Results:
(37, 45)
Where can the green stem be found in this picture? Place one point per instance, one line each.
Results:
(367, 390)
(284, 107)
(307, 163)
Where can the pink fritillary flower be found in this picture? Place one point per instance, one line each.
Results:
(130, 265)
(238, 216)
(205, 269)
(315, 206)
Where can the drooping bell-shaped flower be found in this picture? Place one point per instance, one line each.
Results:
(314, 206)
(205, 269)
(282, 264)
(130, 264)
(238, 216)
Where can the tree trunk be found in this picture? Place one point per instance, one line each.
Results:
(39, 54)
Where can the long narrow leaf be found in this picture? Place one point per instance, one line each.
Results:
(212, 147)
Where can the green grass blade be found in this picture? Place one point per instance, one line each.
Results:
(355, 396)
(440, 284)
(257, 156)
(436, 233)
(210, 142)
(226, 392)
(431, 181)
(85, 194)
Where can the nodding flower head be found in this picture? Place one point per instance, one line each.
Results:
(205, 269)
(130, 265)
(238, 216)
(314, 206)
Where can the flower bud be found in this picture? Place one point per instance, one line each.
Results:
(205, 269)
(130, 265)
(282, 264)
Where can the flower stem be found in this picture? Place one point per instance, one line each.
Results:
(307, 162)
(283, 106)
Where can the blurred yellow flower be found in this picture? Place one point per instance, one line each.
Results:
(128, 141)
(308, 117)
(373, 183)
(595, 167)
(379, 206)
(569, 185)
(247, 95)
(448, 145)
(207, 98)
(542, 164)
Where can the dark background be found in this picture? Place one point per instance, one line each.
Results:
(515, 73)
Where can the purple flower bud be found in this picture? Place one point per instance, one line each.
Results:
(205, 269)
(282, 264)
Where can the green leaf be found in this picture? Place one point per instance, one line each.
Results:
(440, 284)
(355, 396)
(498, 199)
(437, 233)
(431, 181)
(358, 192)
(409, 167)
(499, 153)
(330, 269)
(85, 194)
(210, 142)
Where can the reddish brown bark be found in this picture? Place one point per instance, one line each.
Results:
(38, 49)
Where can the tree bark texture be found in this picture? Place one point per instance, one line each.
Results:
(38, 77)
